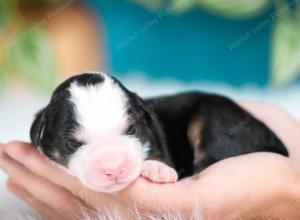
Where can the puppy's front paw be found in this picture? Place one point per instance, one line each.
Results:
(158, 172)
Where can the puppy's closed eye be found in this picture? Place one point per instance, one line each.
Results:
(74, 144)
(131, 130)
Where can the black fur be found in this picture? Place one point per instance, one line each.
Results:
(227, 130)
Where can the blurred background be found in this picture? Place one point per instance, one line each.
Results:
(246, 49)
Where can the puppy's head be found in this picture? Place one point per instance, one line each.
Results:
(97, 129)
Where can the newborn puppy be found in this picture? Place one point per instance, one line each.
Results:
(103, 133)
(107, 136)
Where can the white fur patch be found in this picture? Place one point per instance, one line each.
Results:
(100, 108)
(101, 112)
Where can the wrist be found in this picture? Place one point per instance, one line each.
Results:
(293, 194)
(287, 204)
(281, 200)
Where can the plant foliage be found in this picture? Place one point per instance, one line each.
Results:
(26, 53)
(285, 52)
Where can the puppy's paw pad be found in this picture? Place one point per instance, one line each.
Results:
(158, 172)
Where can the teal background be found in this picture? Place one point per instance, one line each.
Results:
(193, 46)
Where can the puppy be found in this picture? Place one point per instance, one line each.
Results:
(108, 136)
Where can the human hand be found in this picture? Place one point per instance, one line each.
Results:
(253, 186)
(48, 188)
(245, 186)
(242, 186)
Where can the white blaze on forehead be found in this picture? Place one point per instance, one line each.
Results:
(100, 108)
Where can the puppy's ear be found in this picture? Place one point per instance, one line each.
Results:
(37, 128)
(146, 112)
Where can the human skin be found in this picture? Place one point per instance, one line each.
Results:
(253, 186)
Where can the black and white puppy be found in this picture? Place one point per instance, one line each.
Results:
(107, 136)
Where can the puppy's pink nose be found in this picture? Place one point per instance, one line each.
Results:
(115, 173)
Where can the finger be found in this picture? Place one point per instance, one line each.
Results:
(41, 207)
(43, 167)
(37, 163)
(47, 192)
(178, 197)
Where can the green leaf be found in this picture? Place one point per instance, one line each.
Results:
(5, 12)
(31, 56)
(153, 5)
(229, 8)
(180, 6)
(285, 60)
(238, 9)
